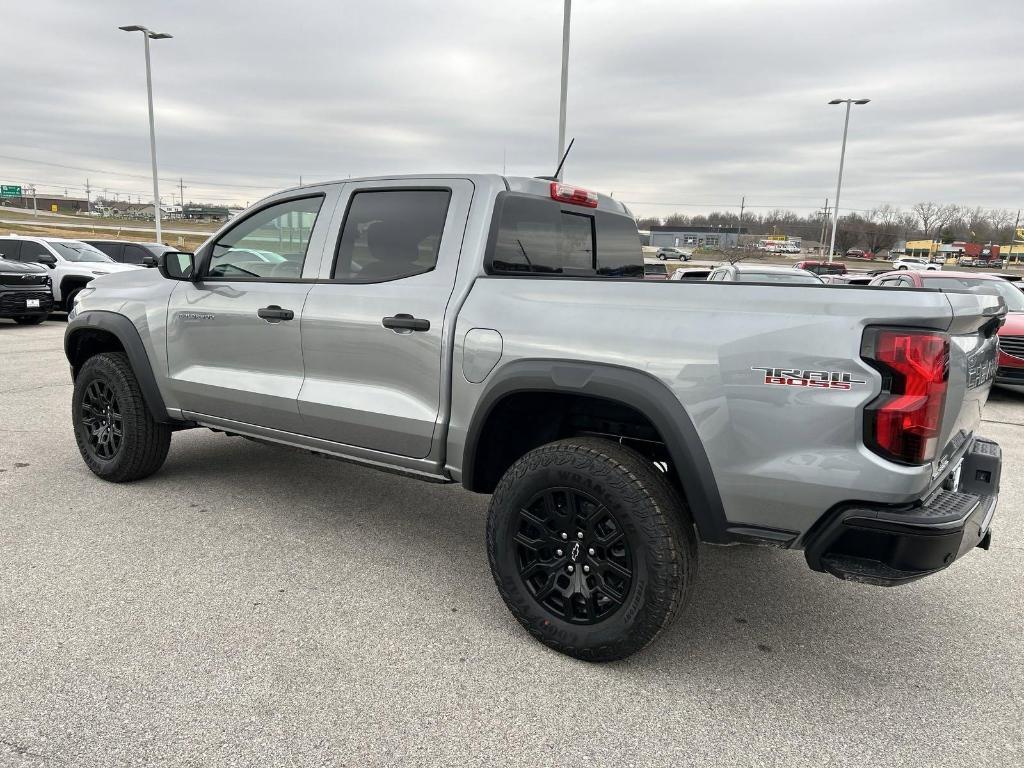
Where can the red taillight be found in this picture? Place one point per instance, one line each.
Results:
(563, 193)
(903, 422)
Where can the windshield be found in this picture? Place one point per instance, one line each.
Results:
(776, 277)
(72, 250)
(1012, 295)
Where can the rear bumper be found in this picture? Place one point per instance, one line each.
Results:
(887, 546)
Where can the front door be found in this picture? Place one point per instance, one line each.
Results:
(373, 327)
(233, 344)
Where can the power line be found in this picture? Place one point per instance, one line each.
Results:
(119, 174)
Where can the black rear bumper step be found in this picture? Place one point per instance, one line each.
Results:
(887, 546)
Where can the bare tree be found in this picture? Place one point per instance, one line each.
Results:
(1001, 221)
(648, 222)
(881, 228)
(933, 217)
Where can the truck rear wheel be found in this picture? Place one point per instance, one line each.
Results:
(116, 434)
(591, 548)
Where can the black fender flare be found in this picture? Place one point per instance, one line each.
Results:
(631, 387)
(127, 334)
(71, 283)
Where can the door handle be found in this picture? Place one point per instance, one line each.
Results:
(403, 322)
(274, 314)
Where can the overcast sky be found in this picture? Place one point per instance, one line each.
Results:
(674, 105)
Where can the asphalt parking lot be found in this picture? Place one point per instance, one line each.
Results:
(257, 606)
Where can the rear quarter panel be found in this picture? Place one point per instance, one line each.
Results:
(781, 455)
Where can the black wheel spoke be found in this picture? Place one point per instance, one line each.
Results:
(572, 555)
(612, 594)
(532, 518)
(547, 587)
(618, 570)
(525, 541)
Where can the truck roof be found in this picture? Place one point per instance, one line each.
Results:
(524, 184)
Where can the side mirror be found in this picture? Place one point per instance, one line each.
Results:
(48, 259)
(149, 261)
(177, 265)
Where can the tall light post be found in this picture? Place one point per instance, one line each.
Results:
(842, 158)
(148, 35)
(566, 12)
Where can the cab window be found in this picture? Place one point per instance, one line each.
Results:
(9, 249)
(391, 234)
(30, 250)
(270, 244)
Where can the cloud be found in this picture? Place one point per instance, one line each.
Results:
(674, 106)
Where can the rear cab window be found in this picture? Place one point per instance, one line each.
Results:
(532, 235)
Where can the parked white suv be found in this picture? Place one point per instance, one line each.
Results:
(911, 263)
(72, 263)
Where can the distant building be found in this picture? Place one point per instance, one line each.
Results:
(207, 212)
(670, 236)
(51, 203)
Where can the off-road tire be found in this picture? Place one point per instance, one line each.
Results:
(144, 442)
(29, 319)
(653, 517)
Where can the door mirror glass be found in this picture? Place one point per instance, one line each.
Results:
(177, 265)
(48, 259)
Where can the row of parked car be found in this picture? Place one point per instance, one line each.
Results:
(39, 275)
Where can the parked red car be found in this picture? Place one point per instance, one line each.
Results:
(1011, 335)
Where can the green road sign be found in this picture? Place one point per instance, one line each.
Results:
(9, 190)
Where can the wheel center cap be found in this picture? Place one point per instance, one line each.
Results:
(575, 553)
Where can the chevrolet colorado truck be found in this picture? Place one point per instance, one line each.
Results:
(497, 332)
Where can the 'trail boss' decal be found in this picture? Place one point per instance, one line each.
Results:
(794, 377)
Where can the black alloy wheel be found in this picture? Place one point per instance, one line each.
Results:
(573, 556)
(591, 547)
(101, 417)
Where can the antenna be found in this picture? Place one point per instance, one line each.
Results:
(558, 170)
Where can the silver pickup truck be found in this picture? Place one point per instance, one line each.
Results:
(497, 332)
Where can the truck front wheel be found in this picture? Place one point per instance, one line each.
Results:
(116, 434)
(591, 548)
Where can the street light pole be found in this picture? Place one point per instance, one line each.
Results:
(567, 10)
(147, 35)
(842, 159)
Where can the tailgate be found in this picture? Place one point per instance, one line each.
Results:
(972, 367)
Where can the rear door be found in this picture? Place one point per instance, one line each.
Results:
(233, 345)
(372, 328)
